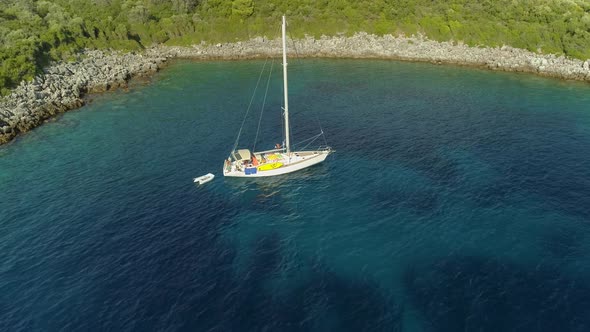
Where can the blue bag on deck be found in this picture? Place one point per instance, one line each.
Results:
(250, 170)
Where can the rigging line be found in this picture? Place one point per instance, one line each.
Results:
(321, 129)
(263, 103)
(282, 114)
(308, 144)
(283, 125)
(317, 118)
(311, 138)
(249, 106)
(297, 56)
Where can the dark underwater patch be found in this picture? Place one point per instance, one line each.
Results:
(538, 154)
(483, 294)
(421, 202)
(564, 242)
(242, 302)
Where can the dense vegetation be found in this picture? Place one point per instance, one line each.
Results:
(33, 32)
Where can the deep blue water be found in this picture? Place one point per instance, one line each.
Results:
(457, 200)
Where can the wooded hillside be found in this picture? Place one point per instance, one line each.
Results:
(34, 32)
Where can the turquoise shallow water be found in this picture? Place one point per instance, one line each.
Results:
(457, 199)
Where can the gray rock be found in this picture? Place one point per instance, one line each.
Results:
(63, 85)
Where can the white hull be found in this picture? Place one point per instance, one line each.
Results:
(298, 161)
(245, 164)
(204, 179)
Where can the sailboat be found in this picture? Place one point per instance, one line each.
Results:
(280, 160)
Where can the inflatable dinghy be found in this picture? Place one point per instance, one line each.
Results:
(204, 179)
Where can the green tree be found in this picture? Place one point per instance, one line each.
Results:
(32, 32)
(242, 8)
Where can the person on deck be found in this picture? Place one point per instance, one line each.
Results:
(277, 146)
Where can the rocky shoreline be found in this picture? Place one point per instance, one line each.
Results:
(63, 85)
(415, 48)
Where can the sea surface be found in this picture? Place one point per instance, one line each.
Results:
(457, 200)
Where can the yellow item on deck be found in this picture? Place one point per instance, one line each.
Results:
(274, 156)
(268, 167)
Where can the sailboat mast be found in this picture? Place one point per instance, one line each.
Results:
(286, 114)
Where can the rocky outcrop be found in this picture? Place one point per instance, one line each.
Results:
(62, 86)
(415, 48)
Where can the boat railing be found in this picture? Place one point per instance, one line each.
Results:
(320, 148)
(270, 151)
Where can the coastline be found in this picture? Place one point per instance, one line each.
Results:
(63, 85)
